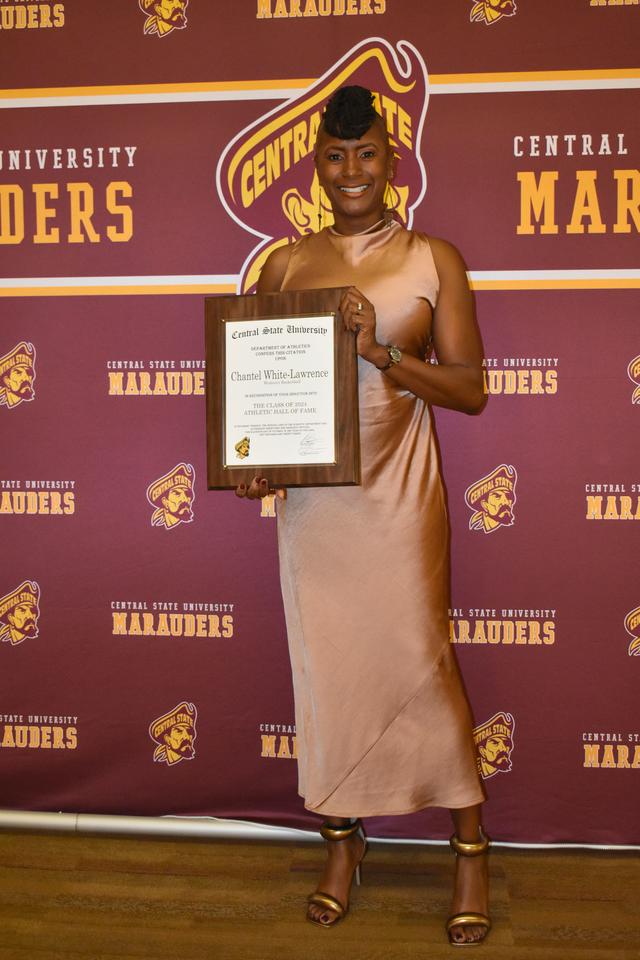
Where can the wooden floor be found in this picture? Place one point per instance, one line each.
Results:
(88, 898)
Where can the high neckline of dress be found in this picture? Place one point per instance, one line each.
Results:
(366, 239)
(382, 224)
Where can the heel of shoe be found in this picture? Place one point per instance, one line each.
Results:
(365, 847)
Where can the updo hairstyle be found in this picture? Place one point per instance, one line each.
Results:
(350, 113)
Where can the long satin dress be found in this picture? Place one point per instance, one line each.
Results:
(382, 722)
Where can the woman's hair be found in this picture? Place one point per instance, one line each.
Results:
(350, 113)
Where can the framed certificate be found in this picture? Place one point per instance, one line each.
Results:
(282, 390)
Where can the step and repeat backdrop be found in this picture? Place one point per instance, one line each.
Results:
(153, 153)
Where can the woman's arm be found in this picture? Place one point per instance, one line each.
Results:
(456, 381)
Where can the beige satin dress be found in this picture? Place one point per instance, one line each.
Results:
(382, 722)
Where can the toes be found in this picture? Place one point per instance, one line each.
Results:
(468, 934)
(321, 916)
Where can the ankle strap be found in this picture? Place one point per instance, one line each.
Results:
(330, 832)
(470, 849)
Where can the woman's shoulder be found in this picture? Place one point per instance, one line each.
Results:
(439, 247)
(274, 269)
(446, 256)
(279, 260)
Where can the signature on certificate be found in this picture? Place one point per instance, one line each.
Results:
(311, 445)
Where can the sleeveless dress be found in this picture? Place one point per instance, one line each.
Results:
(382, 722)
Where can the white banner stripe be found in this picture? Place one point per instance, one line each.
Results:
(285, 93)
(122, 99)
(531, 86)
(230, 279)
(221, 279)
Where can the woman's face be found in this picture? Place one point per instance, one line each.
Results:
(354, 175)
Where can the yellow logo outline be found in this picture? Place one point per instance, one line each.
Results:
(159, 22)
(174, 733)
(20, 612)
(15, 376)
(633, 372)
(490, 11)
(172, 497)
(494, 743)
(492, 498)
(402, 68)
(632, 626)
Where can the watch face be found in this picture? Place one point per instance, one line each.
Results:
(395, 354)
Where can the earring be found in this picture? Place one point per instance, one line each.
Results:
(319, 211)
(388, 206)
(389, 197)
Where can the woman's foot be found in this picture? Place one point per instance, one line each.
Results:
(470, 896)
(343, 856)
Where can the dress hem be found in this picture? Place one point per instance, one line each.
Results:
(414, 808)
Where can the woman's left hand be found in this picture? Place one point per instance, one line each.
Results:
(359, 315)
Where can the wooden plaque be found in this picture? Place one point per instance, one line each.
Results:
(282, 390)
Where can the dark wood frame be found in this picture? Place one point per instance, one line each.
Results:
(289, 304)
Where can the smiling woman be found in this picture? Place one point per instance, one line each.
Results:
(382, 722)
(354, 169)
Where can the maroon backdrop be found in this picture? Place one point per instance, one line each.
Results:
(144, 666)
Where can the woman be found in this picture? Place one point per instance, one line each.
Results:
(382, 722)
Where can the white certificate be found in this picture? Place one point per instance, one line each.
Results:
(280, 391)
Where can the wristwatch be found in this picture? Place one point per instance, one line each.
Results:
(395, 356)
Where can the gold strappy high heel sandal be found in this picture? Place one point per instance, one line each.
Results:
(322, 899)
(469, 919)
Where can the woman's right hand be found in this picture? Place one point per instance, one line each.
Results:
(257, 489)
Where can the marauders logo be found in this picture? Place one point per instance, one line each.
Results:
(172, 497)
(521, 376)
(156, 378)
(278, 741)
(242, 448)
(30, 16)
(607, 751)
(266, 177)
(163, 16)
(17, 374)
(632, 626)
(490, 11)
(19, 613)
(494, 742)
(174, 733)
(633, 371)
(492, 498)
(38, 732)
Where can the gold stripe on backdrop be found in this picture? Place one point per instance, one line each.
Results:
(222, 86)
(110, 290)
(142, 88)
